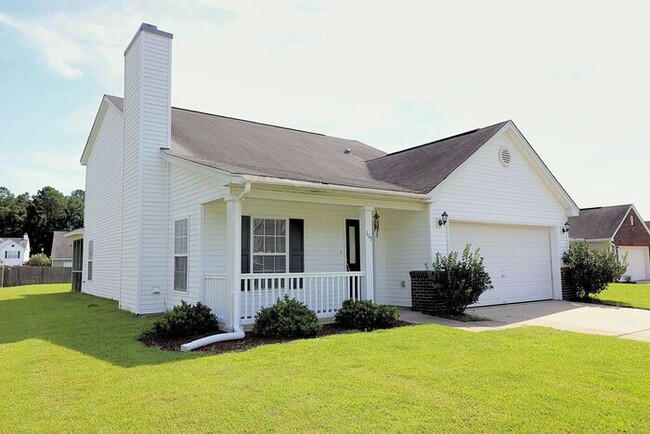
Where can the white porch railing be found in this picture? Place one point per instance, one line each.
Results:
(217, 296)
(321, 292)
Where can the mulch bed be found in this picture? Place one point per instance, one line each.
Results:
(249, 341)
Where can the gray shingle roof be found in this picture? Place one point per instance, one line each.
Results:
(18, 241)
(61, 246)
(251, 148)
(422, 168)
(598, 223)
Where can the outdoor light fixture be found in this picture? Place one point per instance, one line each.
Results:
(443, 218)
(375, 223)
(566, 227)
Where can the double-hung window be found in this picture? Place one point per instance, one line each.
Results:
(269, 245)
(181, 236)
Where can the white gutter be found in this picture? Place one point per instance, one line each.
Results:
(331, 187)
(238, 332)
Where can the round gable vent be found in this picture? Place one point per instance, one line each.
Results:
(504, 156)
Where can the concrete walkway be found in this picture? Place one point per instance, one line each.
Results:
(563, 315)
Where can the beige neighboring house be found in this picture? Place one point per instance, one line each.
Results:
(61, 250)
(14, 252)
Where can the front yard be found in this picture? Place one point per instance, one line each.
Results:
(627, 295)
(71, 362)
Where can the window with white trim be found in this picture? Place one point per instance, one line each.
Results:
(269, 245)
(91, 247)
(12, 254)
(181, 239)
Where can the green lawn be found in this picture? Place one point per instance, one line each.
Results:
(71, 362)
(628, 295)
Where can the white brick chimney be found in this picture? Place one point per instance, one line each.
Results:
(147, 129)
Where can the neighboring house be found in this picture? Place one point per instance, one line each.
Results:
(618, 226)
(61, 255)
(14, 251)
(184, 205)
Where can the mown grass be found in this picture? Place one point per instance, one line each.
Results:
(626, 295)
(71, 362)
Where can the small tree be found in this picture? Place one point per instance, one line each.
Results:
(39, 260)
(459, 281)
(591, 270)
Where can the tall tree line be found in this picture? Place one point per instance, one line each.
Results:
(46, 211)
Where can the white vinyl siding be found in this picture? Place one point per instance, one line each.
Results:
(103, 210)
(198, 198)
(402, 246)
(482, 190)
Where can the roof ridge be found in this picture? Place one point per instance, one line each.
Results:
(244, 120)
(606, 206)
(439, 140)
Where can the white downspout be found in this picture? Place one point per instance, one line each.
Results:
(238, 332)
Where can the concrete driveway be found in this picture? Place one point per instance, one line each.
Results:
(563, 315)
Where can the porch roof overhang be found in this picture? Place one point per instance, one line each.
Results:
(306, 191)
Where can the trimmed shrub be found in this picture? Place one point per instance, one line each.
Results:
(591, 270)
(185, 320)
(39, 260)
(288, 318)
(366, 315)
(459, 280)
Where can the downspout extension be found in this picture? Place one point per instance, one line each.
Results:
(238, 332)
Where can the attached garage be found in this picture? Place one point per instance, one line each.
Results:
(637, 260)
(518, 259)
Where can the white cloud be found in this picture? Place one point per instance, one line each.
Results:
(572, 75)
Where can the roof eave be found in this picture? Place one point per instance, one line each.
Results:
(94, 131)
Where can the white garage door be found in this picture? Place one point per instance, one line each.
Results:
(518, 259)
(636, 259)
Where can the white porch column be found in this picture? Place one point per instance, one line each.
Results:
(233, 255)
(366, 240)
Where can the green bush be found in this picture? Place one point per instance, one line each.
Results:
(459, 281)
(39, 260)
(185, 320)
(591, 270)
(366, 315)
(287, 318)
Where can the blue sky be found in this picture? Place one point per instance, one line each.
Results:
(571, 75)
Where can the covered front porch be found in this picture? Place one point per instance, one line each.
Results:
(257, 249)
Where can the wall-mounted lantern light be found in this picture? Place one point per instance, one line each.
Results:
(566, 227)
(443, 218)
(375, 224)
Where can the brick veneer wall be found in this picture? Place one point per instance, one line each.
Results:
(422, 297)
(568, 291)
(629, 235)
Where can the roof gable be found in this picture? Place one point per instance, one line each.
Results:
(61, 246)
(107, 101)
(423, 167)
(18, 241)
(598, 223)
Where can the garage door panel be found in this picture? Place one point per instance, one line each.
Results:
(637, 260)
(516, 257)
